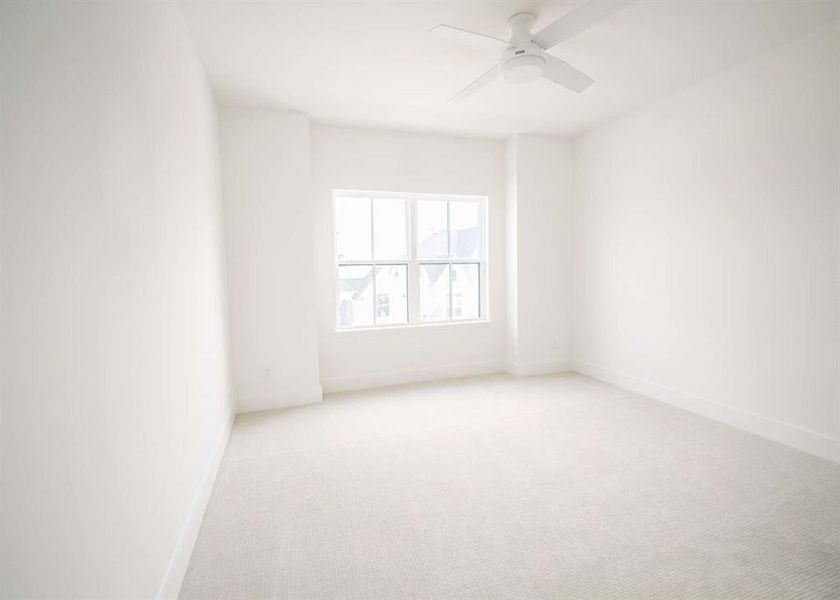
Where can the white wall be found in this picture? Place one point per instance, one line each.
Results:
(511, 258)
(345, 158)
(269, 228)
(707, 246)
(114, 346)
(539, 247)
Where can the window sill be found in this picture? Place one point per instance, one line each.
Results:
(473, 322)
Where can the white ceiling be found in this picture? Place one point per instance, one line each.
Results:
(373, 64)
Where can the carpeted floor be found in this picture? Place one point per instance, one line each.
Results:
(494, 487)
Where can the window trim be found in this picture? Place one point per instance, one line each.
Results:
(412, 262)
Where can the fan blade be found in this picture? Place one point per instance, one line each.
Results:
(471, 38)
(580, 19)
(564, 74)
(476, 84)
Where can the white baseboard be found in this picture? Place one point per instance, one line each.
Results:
(284, 399)
(526, 369)
(180, 559)
(792, 435)
(374, 380)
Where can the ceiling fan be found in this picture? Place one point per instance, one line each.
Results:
(523, 56)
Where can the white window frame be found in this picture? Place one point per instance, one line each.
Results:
(413, 262)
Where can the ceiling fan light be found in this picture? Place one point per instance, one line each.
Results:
(522, 69)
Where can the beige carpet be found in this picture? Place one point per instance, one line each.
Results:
(495, 487)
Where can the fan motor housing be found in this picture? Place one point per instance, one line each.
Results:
(522, 68)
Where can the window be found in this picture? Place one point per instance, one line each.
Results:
(409, 259)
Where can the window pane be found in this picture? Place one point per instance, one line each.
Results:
(391, 294)
(355, 296)
(389, 229)
(465, 230)
(431, 229)
(465, 298)
(434, 292)
(352, 228)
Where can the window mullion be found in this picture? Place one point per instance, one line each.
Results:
(373, 290)
(448, 233)
(370, 206)
(413, 265)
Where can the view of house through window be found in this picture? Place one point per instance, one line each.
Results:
(405, 259)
